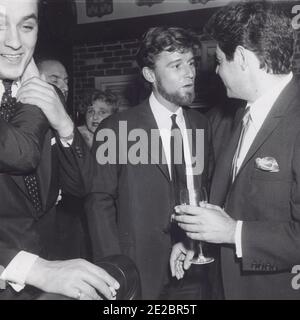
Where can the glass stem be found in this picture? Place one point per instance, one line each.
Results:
(200, 249)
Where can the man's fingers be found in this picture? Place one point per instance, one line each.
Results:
(99, 284)
(86, 292)
(190, 227)
(105, 276)
(179, 269)
(177, 254)
(36, 80)
(42, 104)
(188, 219)
(187, 261)
(37, 96)
(191, 210)
(31, 87)
(196, 236)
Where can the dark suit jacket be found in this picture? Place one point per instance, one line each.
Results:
(26, 145)
(129, 206)
(223, 119)
(268, 203)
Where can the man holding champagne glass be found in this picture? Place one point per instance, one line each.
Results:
(254, 209)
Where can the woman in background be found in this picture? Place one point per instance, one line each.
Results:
(97, 105)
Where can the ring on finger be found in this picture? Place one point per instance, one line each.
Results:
(79, 295)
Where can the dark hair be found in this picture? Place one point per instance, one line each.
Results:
(91, 96)
(170, 39)
(259, 27)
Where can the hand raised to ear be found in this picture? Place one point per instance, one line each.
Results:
(36, 91)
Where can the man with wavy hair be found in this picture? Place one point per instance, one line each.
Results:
(254, 210)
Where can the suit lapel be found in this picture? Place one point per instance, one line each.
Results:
(276, 113)
(190, 124)
(43, 173)
(147, 122)
(19, 180)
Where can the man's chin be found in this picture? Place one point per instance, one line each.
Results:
(11, 72)
(187, 100)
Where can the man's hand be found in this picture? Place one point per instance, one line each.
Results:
(208, 223)
(78, 279)
(38, 92)
(180, 260)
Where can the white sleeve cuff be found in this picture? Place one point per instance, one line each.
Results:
(17, 270)
(238, 239)
(66, 142)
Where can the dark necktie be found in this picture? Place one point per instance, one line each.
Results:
(8, 103)
(178, 168)
(7, 110)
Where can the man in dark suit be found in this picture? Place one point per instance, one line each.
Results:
(70, 217)
(132, 198)
(32, 170)
(255, 207)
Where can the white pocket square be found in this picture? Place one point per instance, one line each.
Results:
(267, 164)
(53, 141)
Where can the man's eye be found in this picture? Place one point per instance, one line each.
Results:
(28, 27)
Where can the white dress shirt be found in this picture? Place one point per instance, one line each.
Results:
(259, 111)
(164, 123)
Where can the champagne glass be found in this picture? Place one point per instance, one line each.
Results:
(193, 197)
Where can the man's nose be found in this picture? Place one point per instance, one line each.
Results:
(96, 116)
(12, 38)
(63, 86)
(190, 72)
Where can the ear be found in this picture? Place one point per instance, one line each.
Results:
(148, 74)
(240, 56)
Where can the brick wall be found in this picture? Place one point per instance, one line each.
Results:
(104, 59)
(116, 58)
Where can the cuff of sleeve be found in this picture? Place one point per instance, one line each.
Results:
(17, 270)
(238, 239)
(66, 143)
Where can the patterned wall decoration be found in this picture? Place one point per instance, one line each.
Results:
(98, 8)
(148, 3)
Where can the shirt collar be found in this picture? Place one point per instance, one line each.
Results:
(163, 115)
(262, 106)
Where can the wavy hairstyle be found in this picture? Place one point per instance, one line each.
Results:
(259, 27)
(171, 39)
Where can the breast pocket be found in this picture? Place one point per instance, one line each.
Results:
(270, 176)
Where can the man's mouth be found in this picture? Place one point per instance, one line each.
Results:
(95, 124)
(13, 58)
(189, 86)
